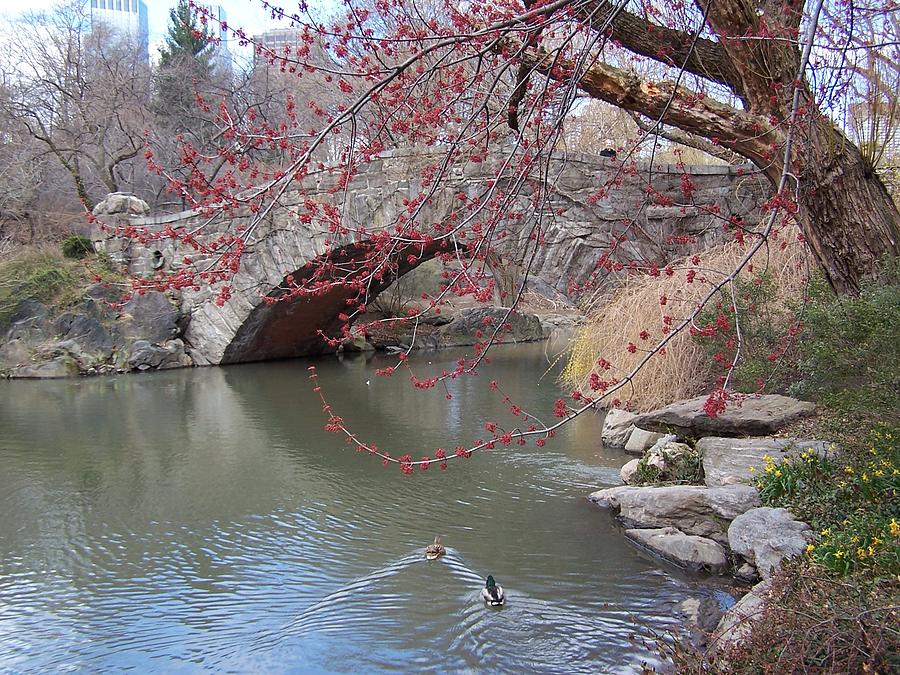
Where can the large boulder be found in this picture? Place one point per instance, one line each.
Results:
(730, 460)
(629, 471)
(121, 203)
(62, 365)
(701, 615)
(13, 354)
(640, 440)
(147, 356)
(151, 317)
(86, 332)
(468, 323)
(765, 536)
(617, 427)
(695, 554)
(753, 416)
(693, 509)
(29, 323)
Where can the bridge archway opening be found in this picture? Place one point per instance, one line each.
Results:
(299, 326)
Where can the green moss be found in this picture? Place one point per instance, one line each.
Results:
(687, 469)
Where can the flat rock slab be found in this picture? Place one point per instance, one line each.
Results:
(695, 554)
(693, 509)
(729, 460)
(755, 416)
(766, 536)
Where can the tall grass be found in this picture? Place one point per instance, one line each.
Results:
(642, 303)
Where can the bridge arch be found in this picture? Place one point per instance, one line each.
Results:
(247, 328)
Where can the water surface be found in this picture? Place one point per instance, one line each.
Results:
(203, 520)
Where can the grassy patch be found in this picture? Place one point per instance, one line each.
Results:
(41, 276)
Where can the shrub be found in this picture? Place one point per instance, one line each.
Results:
(850, 352)
(76, 247)
(767, 324)
(817, 624)
(674, 463)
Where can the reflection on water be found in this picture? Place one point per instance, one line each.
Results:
(204, 520)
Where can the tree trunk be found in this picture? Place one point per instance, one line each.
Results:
(846, 214)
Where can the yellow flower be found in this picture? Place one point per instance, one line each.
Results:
(777, 473)
(839, 554)
(752, 469)
(895, 527)
(865, 477)
(810, 548)
(854, 539)
(871, 552)
(879, 473)
(848, 469)
(769, 468)
(861, 552)
(825, 532)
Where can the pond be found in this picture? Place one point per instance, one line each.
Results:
(204, 520)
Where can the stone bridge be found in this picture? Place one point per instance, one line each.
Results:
(577, 230)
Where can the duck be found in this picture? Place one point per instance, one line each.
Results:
(493, 594)
(435, 550)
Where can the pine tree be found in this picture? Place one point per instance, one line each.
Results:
(186, 38)
(186, 66)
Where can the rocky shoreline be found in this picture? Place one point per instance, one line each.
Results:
(718, 526)
(99, 337)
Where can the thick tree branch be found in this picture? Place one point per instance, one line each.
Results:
(676, 48)
(740, 25)
(749, 135)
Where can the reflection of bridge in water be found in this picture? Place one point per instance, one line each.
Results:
(576, 229)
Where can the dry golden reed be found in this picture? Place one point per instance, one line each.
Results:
(684, 370)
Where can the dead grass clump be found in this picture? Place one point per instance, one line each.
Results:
(624, 326)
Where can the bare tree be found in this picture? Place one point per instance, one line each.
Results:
(81, 92)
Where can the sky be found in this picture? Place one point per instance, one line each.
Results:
(246, 14)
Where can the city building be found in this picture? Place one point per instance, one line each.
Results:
(218, 18)
(275, 41)
(126, 16)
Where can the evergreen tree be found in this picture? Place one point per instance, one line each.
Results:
(186, 38)
(185, 69)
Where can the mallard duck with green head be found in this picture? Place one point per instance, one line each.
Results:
(493, 594)
(435, 550)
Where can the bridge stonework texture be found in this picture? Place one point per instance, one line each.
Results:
(576, 230)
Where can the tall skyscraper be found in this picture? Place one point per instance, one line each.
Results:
(126, 16)
(222, 54)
